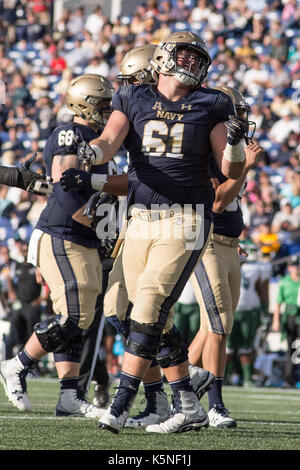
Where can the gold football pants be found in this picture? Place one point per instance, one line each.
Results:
(74, 276)
(216, 281)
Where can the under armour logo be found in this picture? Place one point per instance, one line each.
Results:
(186, 106)
(78, 179)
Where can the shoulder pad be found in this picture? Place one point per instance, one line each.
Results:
(126, 90)
(221, 102)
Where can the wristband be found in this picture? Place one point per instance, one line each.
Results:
(98, 181)
(234, 153)
(98, 154)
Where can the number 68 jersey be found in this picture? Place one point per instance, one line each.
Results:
(168, 143)
(56, 218)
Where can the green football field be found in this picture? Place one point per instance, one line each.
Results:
(268, 419)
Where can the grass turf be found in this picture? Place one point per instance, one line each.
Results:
(268, 419)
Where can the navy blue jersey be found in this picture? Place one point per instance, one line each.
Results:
(229, 222)
(56, 218)
(168, 143)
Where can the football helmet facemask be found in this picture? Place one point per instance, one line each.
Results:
(135, 66)
(169, 60)
(242, 108)
(89, 97)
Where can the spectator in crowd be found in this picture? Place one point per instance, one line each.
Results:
(57, 63)
(285, 220)
(9, 14)
(19, 90)
(281, 103)
(267, 239)
(76, 22)
(200, 12)
(256, 78)
(245, 49)
(98, 65)
(179, 12)
(281, 129)
(164, 12)
(292, 189)
(95, 21)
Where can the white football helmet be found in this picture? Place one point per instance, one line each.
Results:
(165, 58)
(135, 66)
(242, 108)
(89, 97)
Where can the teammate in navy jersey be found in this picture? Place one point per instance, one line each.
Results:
(65, 249)
(169, 131)
(134, 69)
(216, 279)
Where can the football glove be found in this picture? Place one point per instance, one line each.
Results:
(94, 202)
(75, 179)
(34, 182)
(85, 154)
(237, 129)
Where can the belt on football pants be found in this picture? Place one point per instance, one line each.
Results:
(154, 215)
(229, 241)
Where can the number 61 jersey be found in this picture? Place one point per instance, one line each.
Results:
(168, 143)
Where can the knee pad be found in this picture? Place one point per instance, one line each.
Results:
(173, 349)
(121, 326)
(54, 334)
(143, 340)
(72, 353)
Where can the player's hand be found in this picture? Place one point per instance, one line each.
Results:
(75, 179)
(237, 129)
(242, 252)
(34, 182)
(95, 201)
(92, 205)
(85, 154)
(253, 151)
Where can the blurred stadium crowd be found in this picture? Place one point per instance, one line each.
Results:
(254, 46)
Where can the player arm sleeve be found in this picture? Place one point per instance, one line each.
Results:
(11, 177)
(121, 100)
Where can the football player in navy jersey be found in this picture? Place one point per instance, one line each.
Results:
(216, 279)
(169, 131)
(66, 253)
(134, 69)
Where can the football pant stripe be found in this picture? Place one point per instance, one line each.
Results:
(209, 299)
(69, 278)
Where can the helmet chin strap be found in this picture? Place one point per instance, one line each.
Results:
(186, 79)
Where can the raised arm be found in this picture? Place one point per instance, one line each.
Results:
(227, 146)
(226, 192)
(106, 146)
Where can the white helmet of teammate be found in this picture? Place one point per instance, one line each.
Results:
(166, 55)
(135, 66)
(89, 97)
